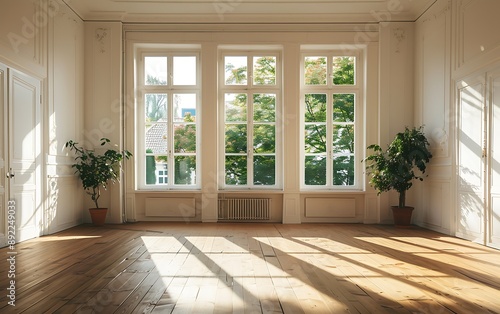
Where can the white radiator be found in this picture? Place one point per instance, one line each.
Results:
(244, 209)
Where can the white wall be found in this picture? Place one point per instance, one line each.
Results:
(396, 96)
(63, 117)
(44, 39)
(23, 35)
(433, 105)
(103, 102)
(454, 39)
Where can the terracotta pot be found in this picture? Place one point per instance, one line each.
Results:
(402, 216)
(98, 216)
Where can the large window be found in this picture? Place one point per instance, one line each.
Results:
(167, 127)
(330, 100)
(250, 93)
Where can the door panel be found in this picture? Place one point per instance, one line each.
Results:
(24, 154)
(471, 175)
(493, 213)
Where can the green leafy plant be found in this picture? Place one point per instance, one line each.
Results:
(404, 160)
(97, 170)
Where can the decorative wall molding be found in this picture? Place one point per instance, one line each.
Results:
(100, 36)
(63, 210)
(475, 38)
(399, 34)
(439, 13)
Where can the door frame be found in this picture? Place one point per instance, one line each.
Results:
(8, 203)
(486, 78)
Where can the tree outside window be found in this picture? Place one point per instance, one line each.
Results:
(329, 120)
(170, 127)
(250, 120)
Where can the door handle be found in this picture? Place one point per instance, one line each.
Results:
(10, 174)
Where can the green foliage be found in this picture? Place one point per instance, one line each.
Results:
(315, 70)
(184, 166)
(316, 108)
(265, 71)
(263, 127)
(343, 70)
(238, 75)
(236, 170)
(185, 136)
(404, 160)
(150, 168)
(97, 170)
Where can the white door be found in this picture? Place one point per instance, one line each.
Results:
(471, 161)
(493, 160)
(21, 155)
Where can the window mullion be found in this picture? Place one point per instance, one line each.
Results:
(250, 125)
(329, 139)
(170, 142)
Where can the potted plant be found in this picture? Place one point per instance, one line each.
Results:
(395, 168)
(96, 171)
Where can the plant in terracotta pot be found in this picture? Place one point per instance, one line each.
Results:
(96, 171)
(395, 168)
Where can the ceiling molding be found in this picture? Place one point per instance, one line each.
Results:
(249, 11)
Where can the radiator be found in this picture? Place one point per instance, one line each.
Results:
(244, 209)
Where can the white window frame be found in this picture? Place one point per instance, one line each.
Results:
(141, 90)
(251, 89)
(329, 89)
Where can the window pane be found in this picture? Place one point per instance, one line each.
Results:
(264, 170)
(236, 138)
(264, 138)
(156, 169)
(185, 70)
(315, 138)
(155, 108)
(343, 139)
(235, 70)
(315, 70)
(264, 70)
(184, 107)
(343, 107)
(155, 70)
(236, 107)
(343, 70)
(157, 138)
(264, 107)
(185, 138)
(185, 170)
(343, 170)
(315, 108)
(315, 170)
(236, 170)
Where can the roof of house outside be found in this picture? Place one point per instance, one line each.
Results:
(156, 138)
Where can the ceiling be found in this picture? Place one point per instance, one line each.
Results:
(249, 11)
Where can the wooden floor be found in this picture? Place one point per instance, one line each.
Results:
(250, 268)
